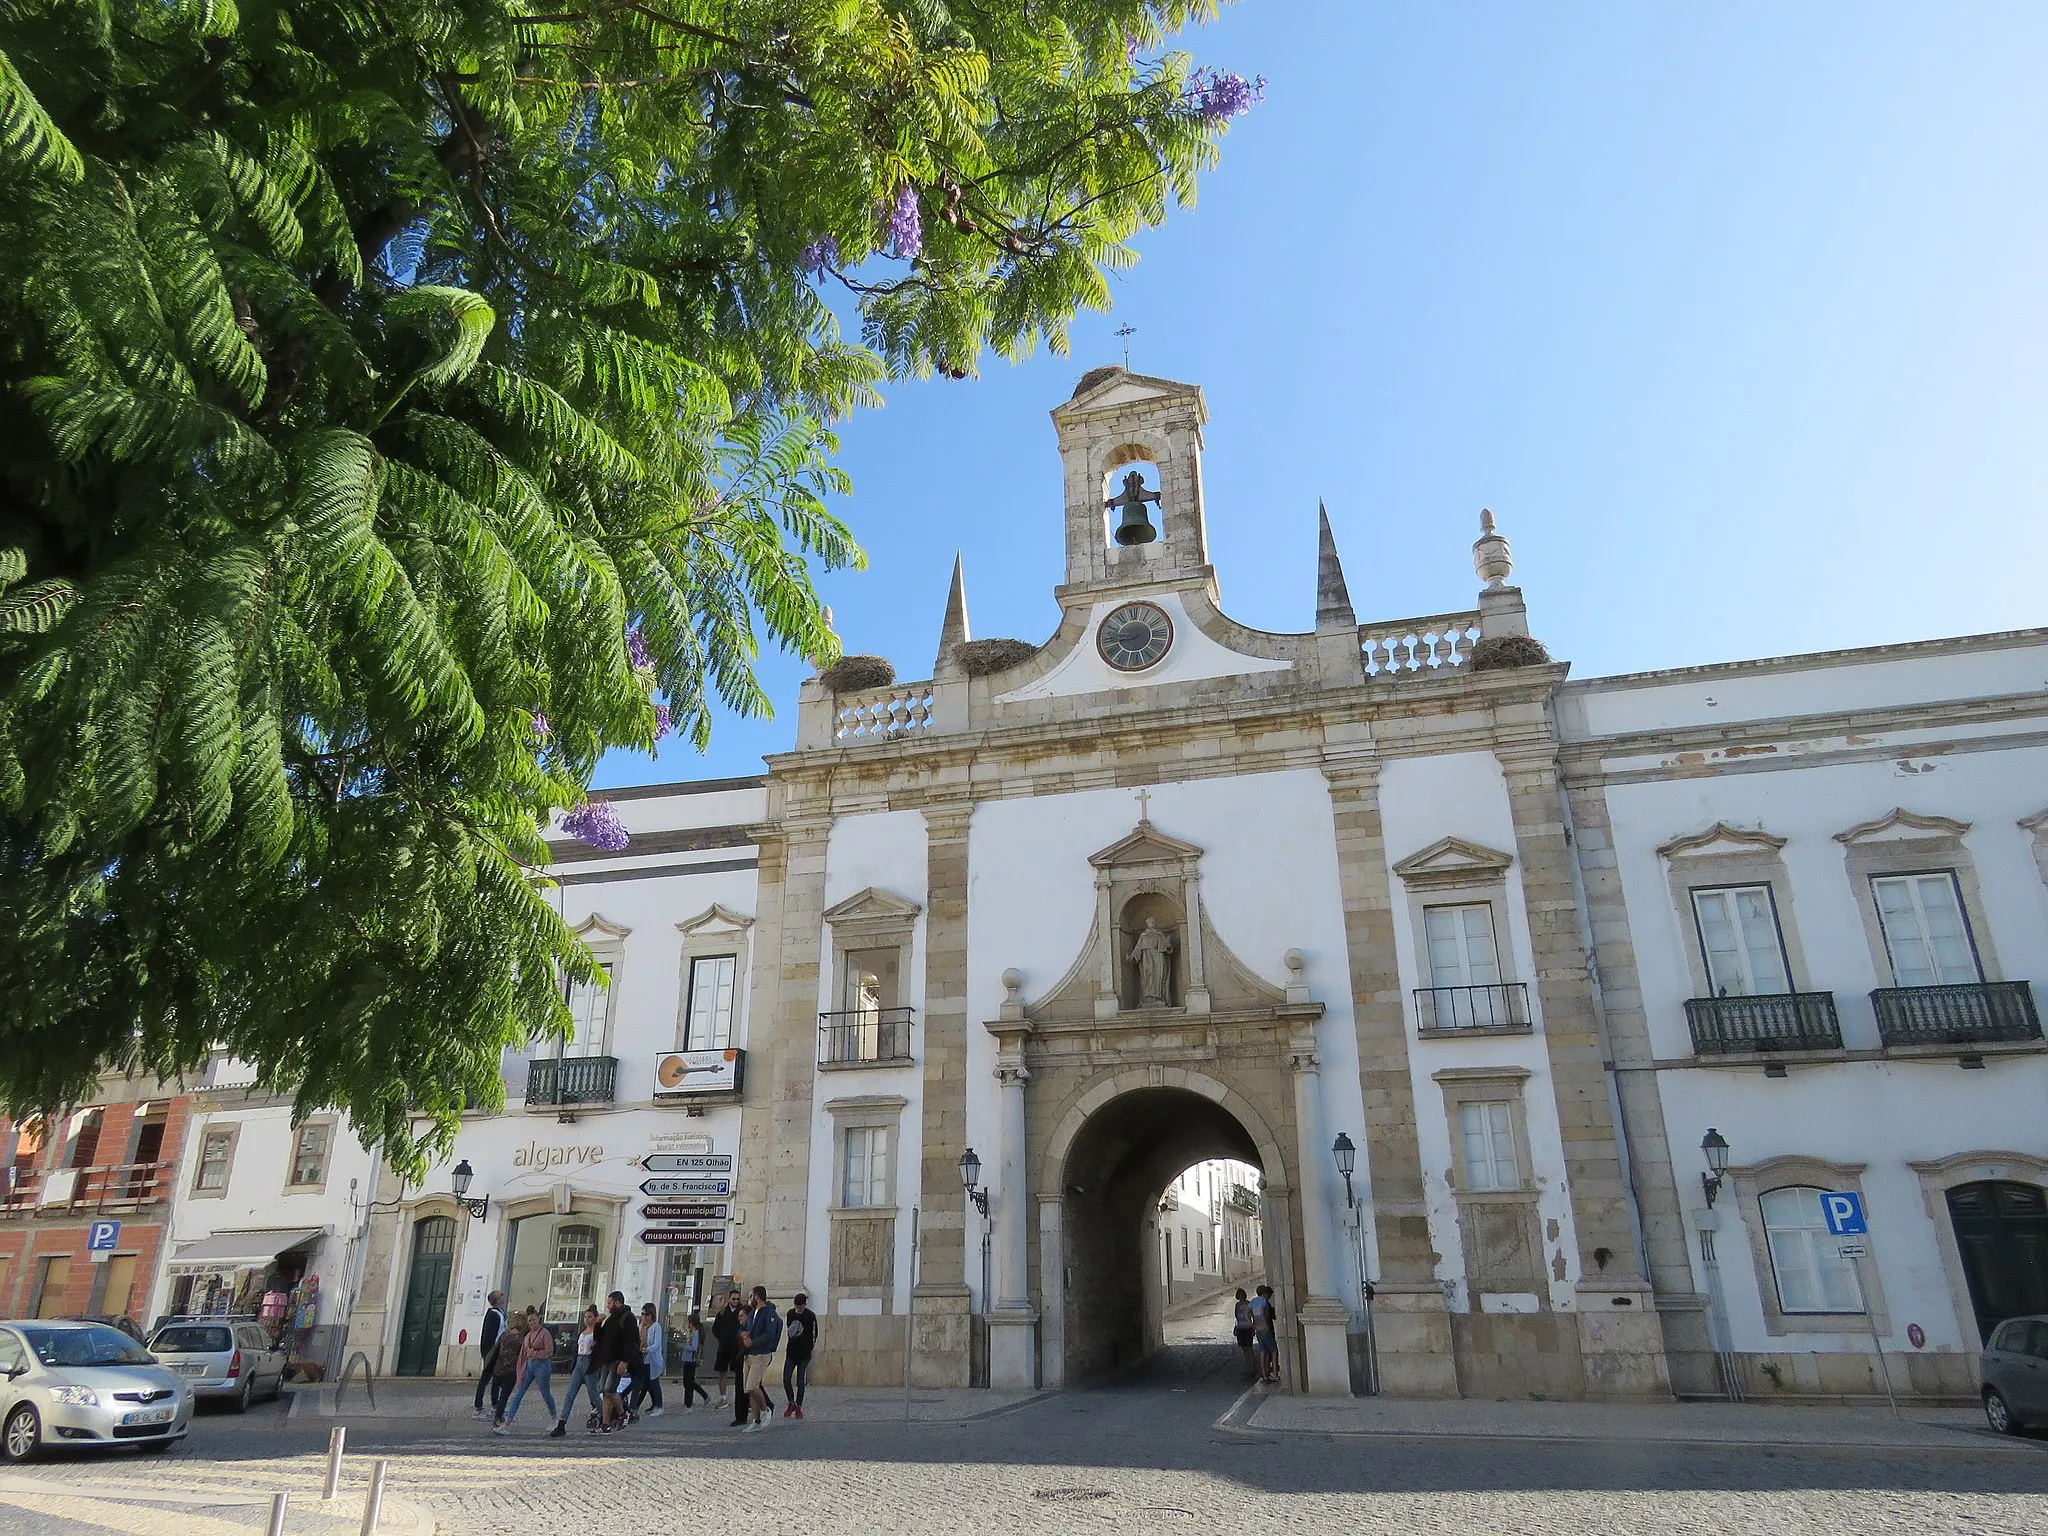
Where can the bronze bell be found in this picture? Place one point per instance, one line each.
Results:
(1135, 526)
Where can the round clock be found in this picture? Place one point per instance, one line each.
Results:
(1134, 636)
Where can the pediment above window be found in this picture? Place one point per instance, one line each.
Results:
(1722, 838)
(1144, 844)
(1453, 861)
(714, 919)
(1900, 825)
(873, 907)
(596, 929)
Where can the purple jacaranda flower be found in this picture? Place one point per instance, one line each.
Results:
(541, 727)
(1218, 96)
(662, 723)
(597, 823)
(636, 647)
(1130, 50)
(818, 255)
(906, 228)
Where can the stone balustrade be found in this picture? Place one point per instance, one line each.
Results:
(1422, 647)
(882, 714)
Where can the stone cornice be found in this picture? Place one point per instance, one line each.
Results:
(1750, 838)
(1996, 640)
(1899, 816)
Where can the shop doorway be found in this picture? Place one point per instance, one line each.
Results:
(2002, 1233)
(1123, 1224)
(426, 1296)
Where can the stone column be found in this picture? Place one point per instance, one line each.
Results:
(772, 1192)
(1410, 1320)
(1326, 1357)
(941, 1345)
(1621, 1341)
(1012, 1323)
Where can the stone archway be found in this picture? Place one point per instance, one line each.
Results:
(1105, 1167)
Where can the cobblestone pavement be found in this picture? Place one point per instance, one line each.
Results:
(1154, 1451)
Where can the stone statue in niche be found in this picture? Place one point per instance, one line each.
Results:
(1152, 954)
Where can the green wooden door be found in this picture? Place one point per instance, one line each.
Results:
(426, 1296)
(2002, 1231)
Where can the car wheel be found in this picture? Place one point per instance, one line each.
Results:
(22, 1434)
(1998, 1413)
(248, 1389)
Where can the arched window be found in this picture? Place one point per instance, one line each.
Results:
(1806, 1262)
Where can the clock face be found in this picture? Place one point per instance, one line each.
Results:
(1134, 636)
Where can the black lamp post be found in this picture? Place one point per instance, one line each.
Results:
(970, 1178)
(1347, 1159)
(1715, 1146)
(1346, 1153)
(459, 1179)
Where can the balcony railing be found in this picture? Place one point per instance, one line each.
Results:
(570, 1080)
(865, 1037)
(1775, 1021)
(1244, 1198)
(1967, 1014)
(115, 1186)
(1501, 1005)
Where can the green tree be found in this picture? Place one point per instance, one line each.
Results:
(403, 402)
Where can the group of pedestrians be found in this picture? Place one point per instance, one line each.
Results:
(621, 1358)
(1256, 1329)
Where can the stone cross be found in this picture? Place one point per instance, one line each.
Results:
(1145, 806)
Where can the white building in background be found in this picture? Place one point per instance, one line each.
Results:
(989, 959)
(1209, 1228)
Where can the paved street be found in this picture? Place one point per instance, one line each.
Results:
(1161, 1450)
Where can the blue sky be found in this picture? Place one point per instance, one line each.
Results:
(1736, 316)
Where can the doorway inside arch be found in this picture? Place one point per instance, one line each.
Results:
(1163, 1221)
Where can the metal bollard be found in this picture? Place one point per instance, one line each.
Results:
(277, 1505)
(336, 1439)
(373, 1504)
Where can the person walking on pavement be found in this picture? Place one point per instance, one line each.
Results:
(618, 1354)
(692, 1346)
(800, 1331)
(1266, 1334)
(654, 1361)
(486, 1342)
(505, 1368)
(536, 1369)
(1241, 1330)
(725, 1329)
(764, 1332)
(581, 1378)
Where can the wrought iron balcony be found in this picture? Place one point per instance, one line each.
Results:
(571, 1080)
(1501, 1005)
(1969, 1013)
(1772, 1021)
(865, 1037)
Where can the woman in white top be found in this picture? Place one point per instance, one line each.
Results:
(586, 1341)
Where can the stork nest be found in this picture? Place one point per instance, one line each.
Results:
(1498, 651)
(978, 658)
(857, 674)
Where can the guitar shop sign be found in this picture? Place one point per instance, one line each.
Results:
(693, 1074)
(536, 1157)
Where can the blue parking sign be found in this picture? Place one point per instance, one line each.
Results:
(104, 1237)
(1844, 1212)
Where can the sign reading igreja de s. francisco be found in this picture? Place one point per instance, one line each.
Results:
(539, 1156)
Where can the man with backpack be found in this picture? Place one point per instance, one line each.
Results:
(764, 1333)
(618, 1354)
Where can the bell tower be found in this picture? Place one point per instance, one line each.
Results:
(1132, 450)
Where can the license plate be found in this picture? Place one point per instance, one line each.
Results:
(150, 1416)
(194, 1368)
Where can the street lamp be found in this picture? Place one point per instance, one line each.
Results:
(1347, 1159)
(459, 1179)
(1715, 1146)
(970, 1178)
(1346, 1153)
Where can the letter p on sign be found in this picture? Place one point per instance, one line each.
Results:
(1844, 1213)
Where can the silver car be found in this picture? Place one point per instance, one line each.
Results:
(2015, 1372)
(222, 1357)
(84, 1384)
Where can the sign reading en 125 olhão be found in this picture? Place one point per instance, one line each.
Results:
(1844, 1212)
(687, 1162)
(686, 1189)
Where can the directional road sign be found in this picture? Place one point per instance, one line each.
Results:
(687, 1211)
(687, 1162)
(1850, 1250)
(1844, 1212)
(686, 1189)
(689, 1237)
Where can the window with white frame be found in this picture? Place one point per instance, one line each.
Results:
(1487, 1129)
(1806, 1262)
(1925, 932)
(866, 1182)
(712, 980)
(1461, 947)
(1183, 1247)
(587, 1007)
(1740, 942)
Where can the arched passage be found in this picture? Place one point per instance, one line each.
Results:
(1122, 1150)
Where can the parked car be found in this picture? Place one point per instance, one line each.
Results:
(2015, 1374)
(223, 1357)
(84, 1384)
(126, 1324)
